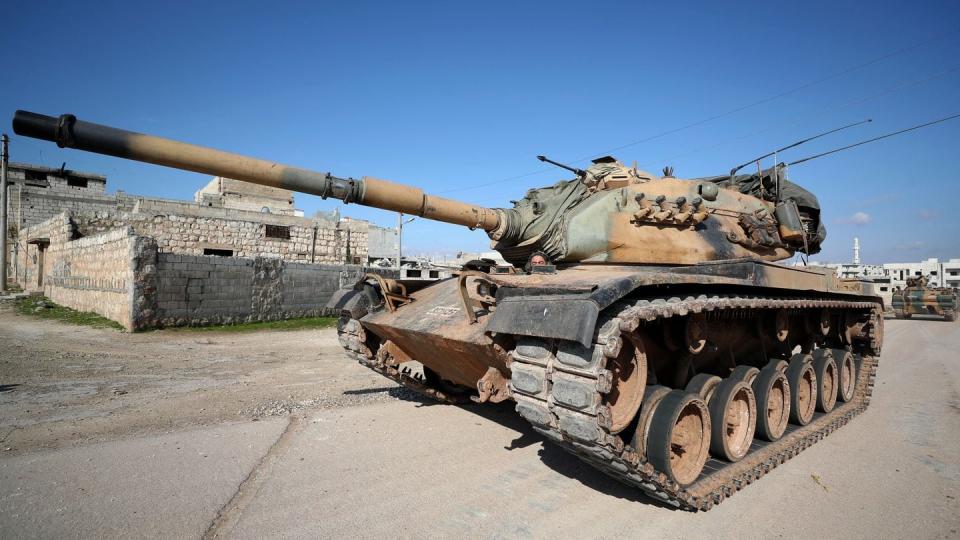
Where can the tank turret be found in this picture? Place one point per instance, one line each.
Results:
(609, 213)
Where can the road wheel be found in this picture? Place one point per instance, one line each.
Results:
(827, 381)
(651, 398)
(773, 401)
(846, 374)
(744, 373)
(703, 385)
(679, 440)
(733, 417)
(803, 389)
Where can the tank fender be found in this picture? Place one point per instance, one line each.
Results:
(356, 302)
(551, 314)
(571, 317)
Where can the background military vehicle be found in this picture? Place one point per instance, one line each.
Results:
(917, 298)
(662, 346)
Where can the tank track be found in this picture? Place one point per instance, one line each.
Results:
(561, 394)
(353, 337)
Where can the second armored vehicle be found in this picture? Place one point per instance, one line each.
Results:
(660, 342)
(918, 298)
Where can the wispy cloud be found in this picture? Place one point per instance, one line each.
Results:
(928, 215)
(911, 246)
(857, 218)
(880, 199)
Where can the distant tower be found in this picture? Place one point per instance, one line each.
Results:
(856, 250)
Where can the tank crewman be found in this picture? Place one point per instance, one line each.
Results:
(537, 258)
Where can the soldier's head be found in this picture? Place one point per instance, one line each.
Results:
(537, 258)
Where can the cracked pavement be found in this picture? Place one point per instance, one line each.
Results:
(276, 434)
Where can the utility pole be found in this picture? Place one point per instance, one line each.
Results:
(399, 238)
(400, 223)
(4, 157)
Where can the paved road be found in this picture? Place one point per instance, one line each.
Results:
(407, 469)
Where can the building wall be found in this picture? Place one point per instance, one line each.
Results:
(382, 243)
(891, 276)
(39, 193)
(229, 193)
(951, 273)
(27, 265)
(124, 277)
(899, 272)
(94, 274)
(195, 231)
(196, 290)
(102, 274)
(226, 217)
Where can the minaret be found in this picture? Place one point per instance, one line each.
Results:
(856, 250)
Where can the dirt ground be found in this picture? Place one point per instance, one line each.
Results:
(217, 434)
(63, 385)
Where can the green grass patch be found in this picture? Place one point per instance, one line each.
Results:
(305, 323)
(43, 308)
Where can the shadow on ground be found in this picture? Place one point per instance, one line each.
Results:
(556, 457)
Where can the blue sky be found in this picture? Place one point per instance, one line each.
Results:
(449, 96)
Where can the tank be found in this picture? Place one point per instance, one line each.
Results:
(644, 325)
(918, 298)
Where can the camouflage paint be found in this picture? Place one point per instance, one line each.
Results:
(918, 299)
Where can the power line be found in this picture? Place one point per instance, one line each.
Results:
(798, 143)
(849, 146)
(895, 88)
(778, 96)
(717, 116)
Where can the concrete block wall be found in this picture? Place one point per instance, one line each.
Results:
(195, 290)
(198, 290)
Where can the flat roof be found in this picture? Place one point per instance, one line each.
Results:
(56, 171)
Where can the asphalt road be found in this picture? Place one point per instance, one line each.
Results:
(403, 468)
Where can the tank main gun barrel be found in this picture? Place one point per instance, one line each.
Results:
(68, 132)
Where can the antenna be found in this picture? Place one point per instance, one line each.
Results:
(574, 170)
(835, 150)
(798, 143)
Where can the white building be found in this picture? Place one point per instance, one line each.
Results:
(950, 272)
(888, 277)
(931, 268)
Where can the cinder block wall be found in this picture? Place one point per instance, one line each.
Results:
(198, 290)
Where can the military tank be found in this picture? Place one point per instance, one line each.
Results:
(653, 335)
(918, 298)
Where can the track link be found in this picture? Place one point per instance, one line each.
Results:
(353, 337)
(560, 392)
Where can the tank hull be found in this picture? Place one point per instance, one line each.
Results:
(565, 305)
(582, 350)
(925, 301)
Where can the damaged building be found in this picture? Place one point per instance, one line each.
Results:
(237, 253)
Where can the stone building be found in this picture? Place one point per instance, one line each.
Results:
(124, 276)
(233, 194)
(226, 218)
(237, 253)
(39, 193)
